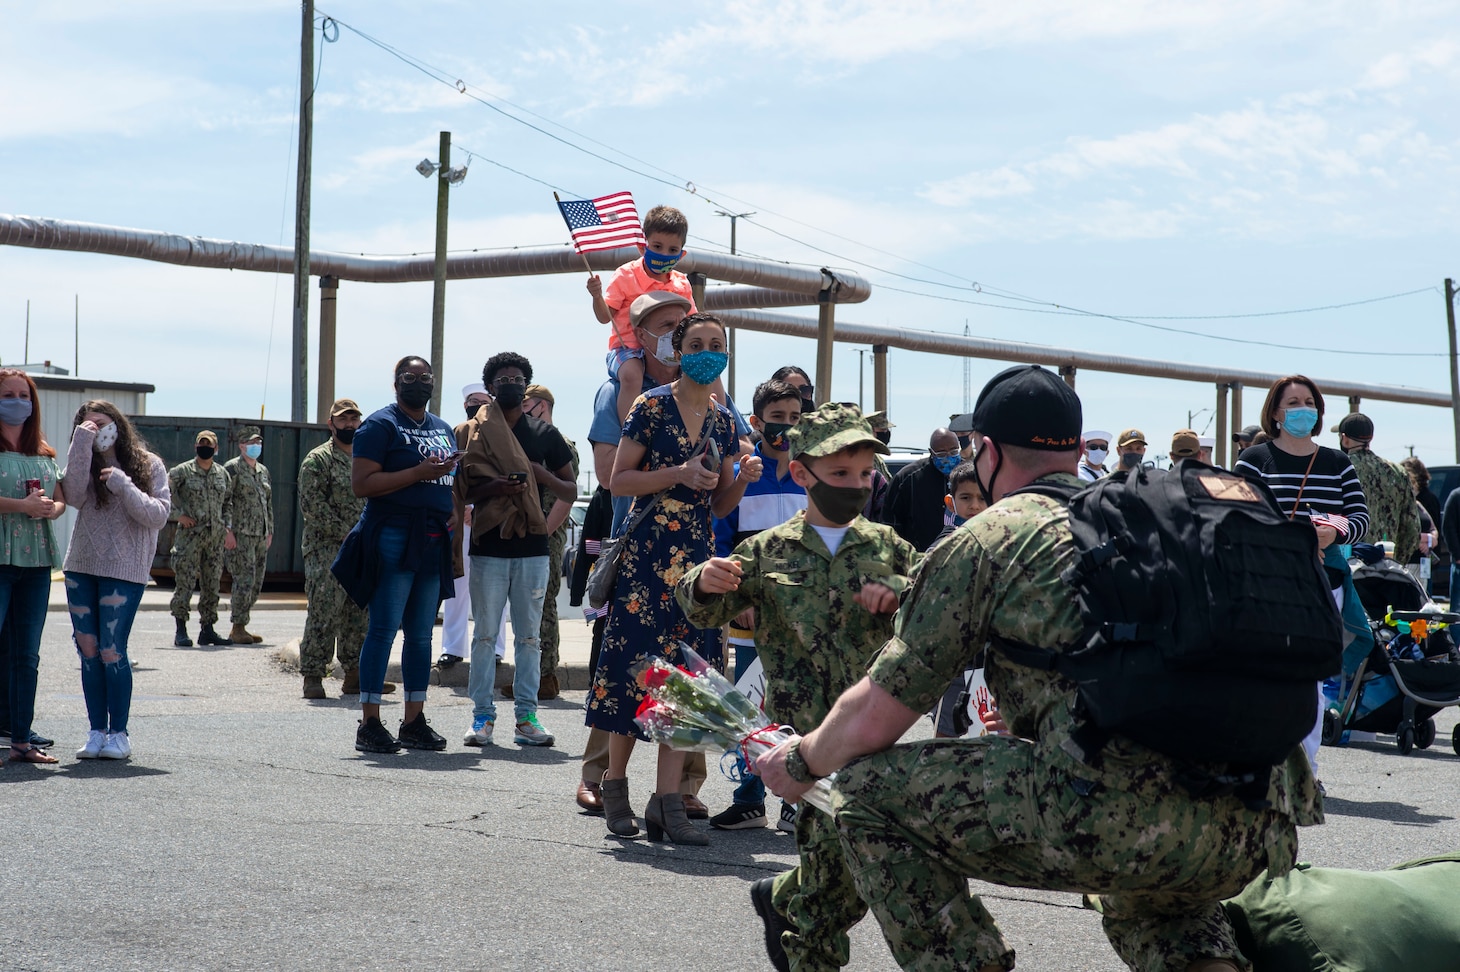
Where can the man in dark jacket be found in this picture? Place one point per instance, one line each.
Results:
(915, 496)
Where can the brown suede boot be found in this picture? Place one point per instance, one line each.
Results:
(549, 687)
(352, 684)
(240, 636)
(314, 687)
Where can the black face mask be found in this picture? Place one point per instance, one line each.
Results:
(510, 396)
(415, 395)
(1130, 460)
(773, 434)
(471, 410)
(346, 436)
(839, 504)
(206, 452)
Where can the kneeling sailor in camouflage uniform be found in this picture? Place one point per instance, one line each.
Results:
(1024, 810)
(824, 586)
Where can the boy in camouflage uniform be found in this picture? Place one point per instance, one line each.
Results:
(250, 532)
(1029, 809)
(824, 585)
(200, 510)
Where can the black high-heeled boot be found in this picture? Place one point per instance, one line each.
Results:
(616, 809)
(664, 816)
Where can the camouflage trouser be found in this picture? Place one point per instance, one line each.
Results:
(332, 617)
(197, 560)
(918, 821)
(819, 897)
(548, 631)
(245, 564)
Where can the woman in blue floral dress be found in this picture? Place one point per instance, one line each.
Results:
(662, 449)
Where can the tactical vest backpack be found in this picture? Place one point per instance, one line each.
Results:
(1208, 617)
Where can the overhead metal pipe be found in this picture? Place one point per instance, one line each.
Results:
(198, 251)
(933, 342)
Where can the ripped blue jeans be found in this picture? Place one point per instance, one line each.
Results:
(102, 611)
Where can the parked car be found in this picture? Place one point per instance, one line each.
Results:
(575, 530)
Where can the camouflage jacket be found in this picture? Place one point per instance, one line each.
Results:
(330, 507)
(999, 573)
(252, 496)
(201, 494)
(550, 499)
(813, 640)
(1392, 514)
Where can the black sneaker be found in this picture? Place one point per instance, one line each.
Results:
(418, 734)
(739, 816)
(787, 823)
(775, 923)
(39, 741)
(373, 737)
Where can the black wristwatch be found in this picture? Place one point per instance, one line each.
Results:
(796, 767)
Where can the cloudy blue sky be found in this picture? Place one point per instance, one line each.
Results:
(1141, 159)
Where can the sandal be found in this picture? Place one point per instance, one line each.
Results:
(31, 754)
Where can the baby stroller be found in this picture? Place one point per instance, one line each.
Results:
(1410, 671)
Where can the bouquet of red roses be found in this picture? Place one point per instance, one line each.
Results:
(695, 708)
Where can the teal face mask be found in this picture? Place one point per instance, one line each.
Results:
(1300, 422)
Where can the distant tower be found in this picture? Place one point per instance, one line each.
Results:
(967, 377)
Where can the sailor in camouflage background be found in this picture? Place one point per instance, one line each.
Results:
(250, 530)
(200, 510)
(917, 821)
(335, 624)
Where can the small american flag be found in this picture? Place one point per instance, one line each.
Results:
(1335, 520)
(605, 223)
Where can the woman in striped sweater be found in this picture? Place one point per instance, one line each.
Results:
(1315, 483)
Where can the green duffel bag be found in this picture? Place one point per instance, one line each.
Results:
(1324, 919)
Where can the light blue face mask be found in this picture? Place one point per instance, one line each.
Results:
(253, 450)
(1300, 422)
(946, 464)
(15, 411)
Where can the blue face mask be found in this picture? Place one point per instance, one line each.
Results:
(253, 450)
(1299, 422)
(14, 411)
(946, 464)
(703, 367)
(660, 262)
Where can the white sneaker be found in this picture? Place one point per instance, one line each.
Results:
(117, 746)
(94, 742)
(480, 733)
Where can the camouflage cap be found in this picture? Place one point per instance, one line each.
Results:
(832, 428)
(542, 392)
(344, 406)
(249, 432)
(205, 436)
(878, 421)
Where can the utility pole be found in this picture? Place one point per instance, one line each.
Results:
(26, 359)
(76, 339)
(967, 376)
(861, 377)
(438, 293)
(299, 365)
(730, 331)
(1454, 366)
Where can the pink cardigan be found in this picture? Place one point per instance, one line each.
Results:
(119, 539)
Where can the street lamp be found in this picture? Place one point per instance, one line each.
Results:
(447, 176)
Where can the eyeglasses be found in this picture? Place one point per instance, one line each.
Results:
(945, 453)
(510, 380)
(411, 378)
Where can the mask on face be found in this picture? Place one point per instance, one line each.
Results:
(346, 436)
(884, 436)
(15, 411)
(663, 346)
(946, 464)
(1097, 456)
(660, 262)
(1299, 422)
(510, 396)
(703, 367)
(773, 434)
(253, 450)
(415, 395)
(471, 410)
(839, 504)
(106, 437)
(205, 452)
(1130, 460)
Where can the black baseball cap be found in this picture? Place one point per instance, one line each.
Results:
(1031, 407)
(1355, 425)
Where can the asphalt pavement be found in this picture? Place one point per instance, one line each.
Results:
(247, 833)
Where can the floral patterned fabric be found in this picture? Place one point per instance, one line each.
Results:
(644, 620)
(25, 542)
